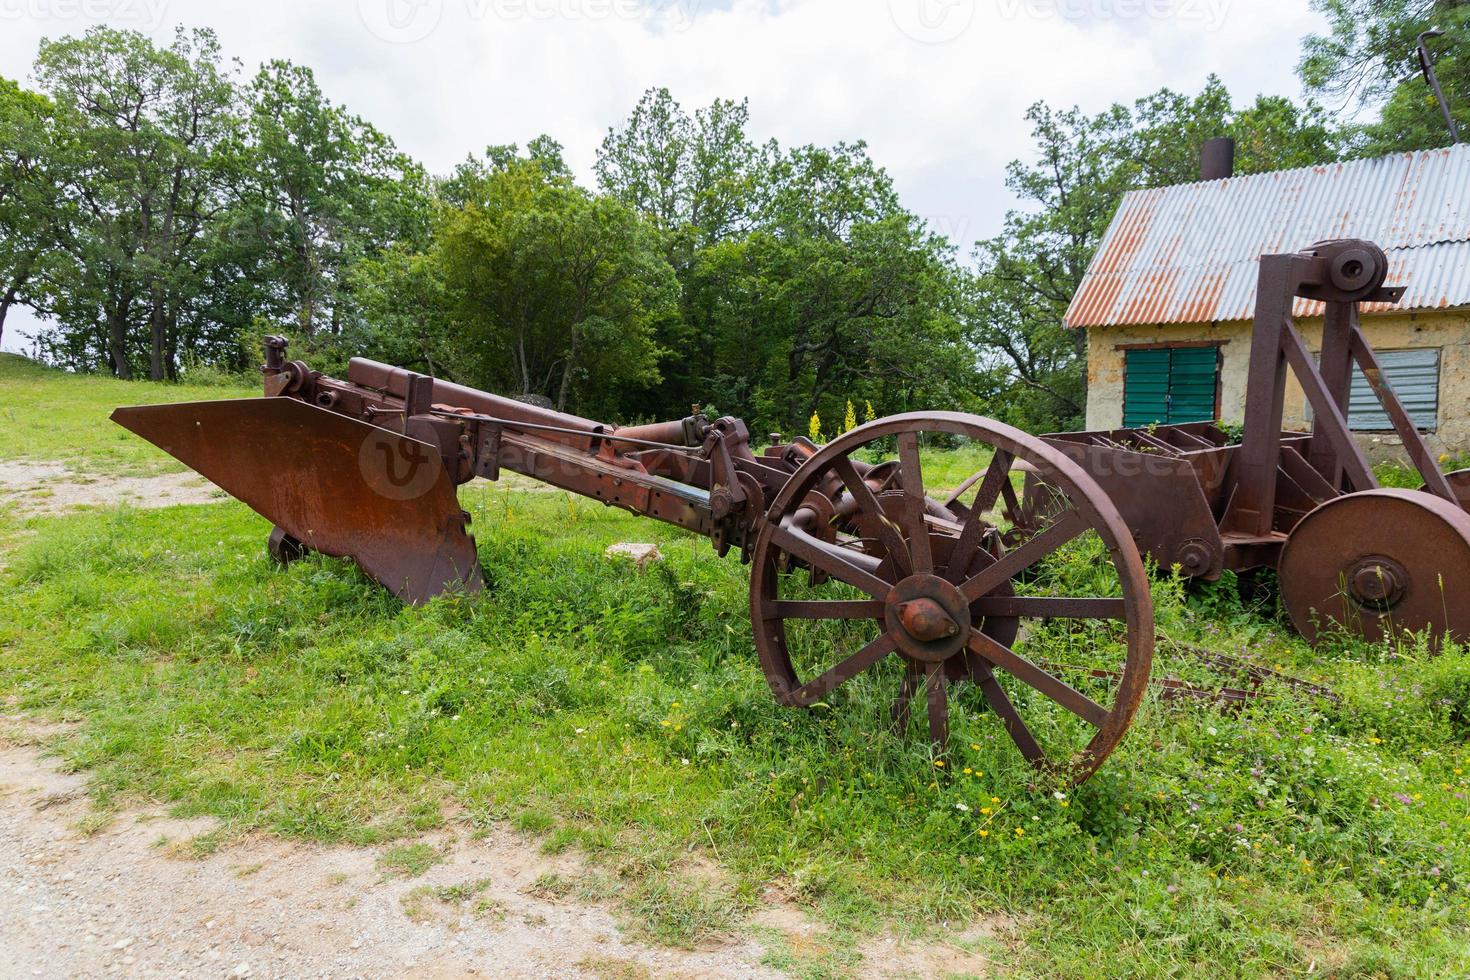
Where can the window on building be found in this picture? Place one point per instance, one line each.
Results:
(1414, 375)
(1170, 385)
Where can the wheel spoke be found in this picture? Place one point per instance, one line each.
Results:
(824, 683)
(1050, 607)
(826, 609)
(1067, 526)
(902, 705)
(937, 689)
(870, 509)
(998, 473)
(839, 566)
(1034, 677)
(922, 562)
(995, 696)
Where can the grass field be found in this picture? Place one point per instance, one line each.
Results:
(622, 714)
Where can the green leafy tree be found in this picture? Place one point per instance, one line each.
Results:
(553, 290)
(143, 127)
(1368, 59)
(325, 190)
(1034, 367)
(32, 205)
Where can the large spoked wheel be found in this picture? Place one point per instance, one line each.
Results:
(1380, 563)
(893, 573)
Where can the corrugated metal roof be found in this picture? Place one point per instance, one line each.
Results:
(1188, 253)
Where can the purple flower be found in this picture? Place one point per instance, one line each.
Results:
(1402, 798)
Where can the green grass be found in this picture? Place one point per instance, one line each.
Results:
(624, 716)
(409, 860)
(58, 417)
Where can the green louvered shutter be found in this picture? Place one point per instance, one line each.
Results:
(1169, 385)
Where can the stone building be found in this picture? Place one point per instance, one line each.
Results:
(1168, 298)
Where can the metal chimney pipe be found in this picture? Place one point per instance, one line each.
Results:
(1217, 159)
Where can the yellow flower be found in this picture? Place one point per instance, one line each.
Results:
(939, 763)
(974, 746)
(1020, 832)
(984, 833)
(666, 723)
(995, 799)
(968, 770)
(985, 809)
(1375, 740)
(1065, 802)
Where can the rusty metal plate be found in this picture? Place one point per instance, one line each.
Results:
(340, 486)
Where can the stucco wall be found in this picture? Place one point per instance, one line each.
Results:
(1447, 330)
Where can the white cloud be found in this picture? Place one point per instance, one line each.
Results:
(943, 117)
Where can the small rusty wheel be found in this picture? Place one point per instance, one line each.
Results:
(283, 548)
(935, 585)
(1379, 563)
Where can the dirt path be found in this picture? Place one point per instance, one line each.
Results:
(119, 902)
(53, 488)
(34, 488)
(128, 900)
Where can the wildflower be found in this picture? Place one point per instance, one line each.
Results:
(962, 808)
(985, 810)
(1375, 740)
(1020, 832)
(849, 420)
(974, 746)
(684, 762)
(968, 770)
(995, 799)
(939, 763)
(814, 428)
(984, 833)
(666, 723)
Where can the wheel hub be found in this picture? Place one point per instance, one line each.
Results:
(1378, 582)
(929, 618)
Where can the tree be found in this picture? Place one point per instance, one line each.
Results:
(1368, 59)
(143, 130)
(554, 291)
(31, 201)
(1027, 275)
(326, 190)
(849, 295)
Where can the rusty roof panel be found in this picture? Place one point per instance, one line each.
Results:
(1188, 253)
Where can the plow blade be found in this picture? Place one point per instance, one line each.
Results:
(342, 487)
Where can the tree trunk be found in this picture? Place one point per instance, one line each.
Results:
(157, 323)
(117, 335)
(6, 302)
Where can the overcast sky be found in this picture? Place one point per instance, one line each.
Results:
(938, 88)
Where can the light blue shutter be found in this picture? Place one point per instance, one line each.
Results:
(1414, 375)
